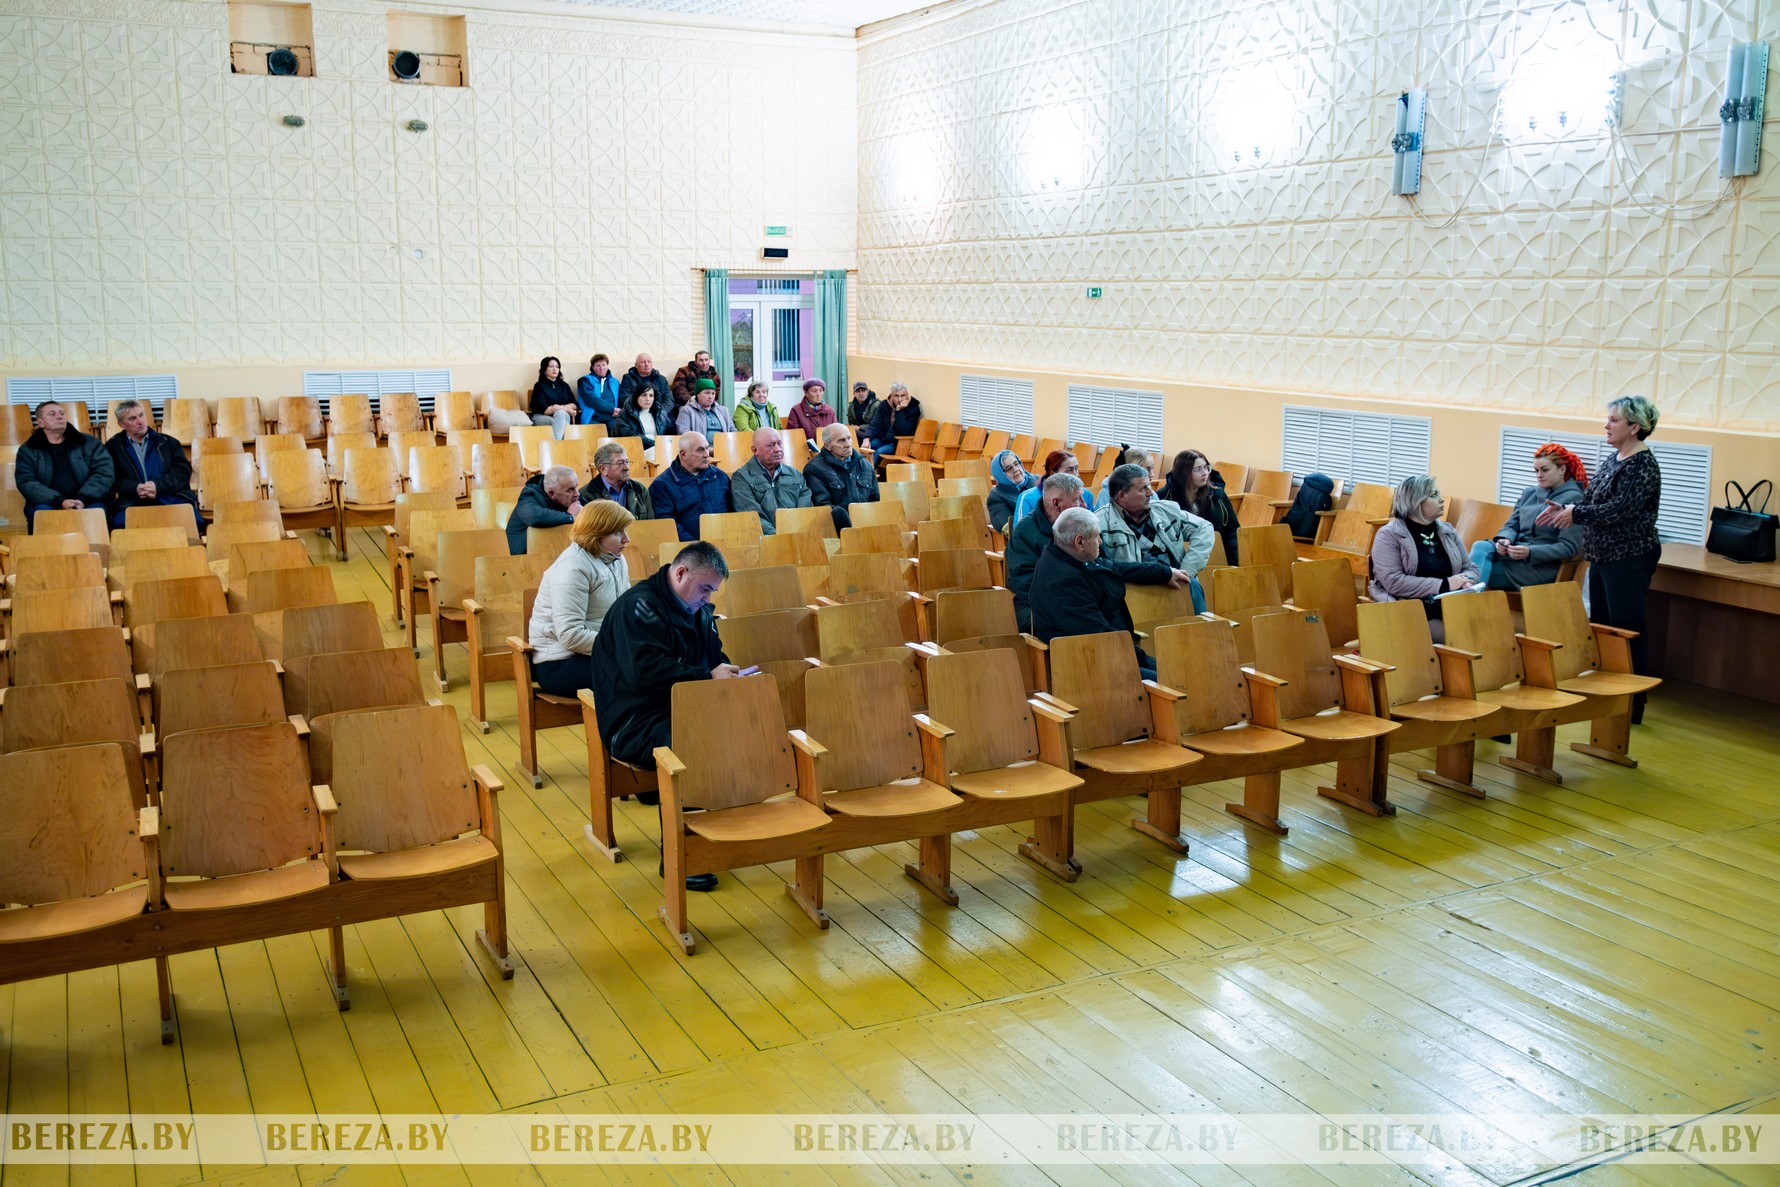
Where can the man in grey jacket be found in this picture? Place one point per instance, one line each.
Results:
(1136, 526)
(766, 482)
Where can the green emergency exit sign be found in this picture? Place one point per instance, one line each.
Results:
(778, 230)
(1095, 292)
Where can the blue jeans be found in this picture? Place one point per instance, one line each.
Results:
(558, 422)
(879, 453)
(1483, 555)
(1198, 595)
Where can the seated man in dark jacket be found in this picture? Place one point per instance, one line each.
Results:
(612, 480)
(658, 633)
(1032, 535)
(838, 477)
(690, 487)
(547, 500)
(59, 467)
(150, 468)
(1075, 593)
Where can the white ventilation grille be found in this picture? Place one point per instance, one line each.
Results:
(1355, 446)
(995, 402)
(96, 392)
(1115, 416)
(1686, 504)
(425, 384)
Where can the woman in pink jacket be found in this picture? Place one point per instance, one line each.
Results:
(1418, 554)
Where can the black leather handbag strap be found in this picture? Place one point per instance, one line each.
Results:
(1746, 497)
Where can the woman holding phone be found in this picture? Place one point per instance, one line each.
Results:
(1618, 518)
(1524, 553)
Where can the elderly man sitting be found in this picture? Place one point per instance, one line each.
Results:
(547, 500)
(766, 482)
(839, 477)
(612, 480)
(1074, 592)
(1136, 526)
(690, 487)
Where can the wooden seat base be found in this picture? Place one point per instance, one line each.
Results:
(1016, 782)
(905, 797)
(756, 822)
(423, 862)
(1609, 684)
(1339, 726)
(1143, 757)
(1442, 710)
(68, 920)
(239, 890)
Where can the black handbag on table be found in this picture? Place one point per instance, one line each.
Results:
(1740, 531)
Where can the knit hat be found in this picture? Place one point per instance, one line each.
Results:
(703, 385)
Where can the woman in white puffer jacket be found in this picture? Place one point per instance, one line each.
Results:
(576, 591)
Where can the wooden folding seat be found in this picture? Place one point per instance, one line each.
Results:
(755, 591)
(1479, 520)
(815, 521)
(1235, 476)
(487, 502)
(801, 550)
(437, 469)
(870, 630)
(79, 713)
(778, 642)
(916, 499)
(1241, 594)
(56, 570)
(1268, 497)
(1272, 547)
(1119, 736)
(509, 400)
(920, 447)
(403, 443)
(994, 441)
(78, 861)
(16, 424)
(963, 470)
(1480, 625)
(186, 421)
(223, 537)
(413, 543)
(730, 530)
(160, 564)
(529, 438)
(149, 602)
(45, 544)
(338, 444)
(213, 697)
(1565, 651)
(576, 455)
(917, 472)
(127, 543)
(496, 467)
(607, 778)
(399, 412)
(302, 415)
(1297, 686)
(882, 537)
(226, 478)
(982, 619)
(176, 644)
(208, 447)
(351, 413)
(945, 443)
(492, 615)
(967, 507)
(348, 681)
(248, 511)
(80, 416)
(1327, 587)
(269, 592)
(245, 842)
(952, 487)
(163, 515)
(594, 435)
(87, 521)
(1096, 481)
(298, 480)
(89, 653)
(455, 411)
(466, 440)
(874, 576)
(417, 828)
(1154, 606)
(952, 568)
(308, 631)
(1346, 535)
(647, 539)
(730, 450)
(547, 542)
(370, 492)
(539, 710)
(451, 580)
(1087, 456)
(246, 559)
(54, 610)
(730, 759)
(239, 417)
(1419, 675)
(891, 512)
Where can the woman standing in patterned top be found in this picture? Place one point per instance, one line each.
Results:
(1618, 518)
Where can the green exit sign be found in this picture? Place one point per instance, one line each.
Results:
(1095, 292)
(778, 230)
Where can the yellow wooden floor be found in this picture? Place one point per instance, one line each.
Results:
(1609, 946)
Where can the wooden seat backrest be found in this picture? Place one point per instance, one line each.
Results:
(127, 542)
(884, 512)
(916, 499)
(851, 574)
(1482, 623)
(53, 544)
(412, 503)
(978, 620)
(60, 610)
(1370, 498)
(730, 529)
(254, 510)
(228, 478)
(236, 800)
(966, 506)
(465, 442)
(944, 535)
(258, 556)
(350, 414)
(548, 542)
(280, 589)
(964, 471)
(979, 696)
(399, 412)
(298, 479)
(1396, 633)
(498, 466)
(953, 568)
(592, 434)
(864, 749)
(212, 697)
(239, 416)
(1201, 656)
(1327, 586)
(267, 444)
(1269, 546)
(71, 713)
(919, 473)
(162, 564)
(754, 591)
(300, 415)
(648, 537)
(342, 681)
(399, 776)
(424, 530)
(343, 626)
(1235, 476)
(34, 574)
(799, 549)
(1236, 588)
(1294, 647)
(500, 584)
(881, 537)
(1098, 675)
(1478, 520)
(731, 736)
(750, 639)
(223, 537)
(1152, 605)
(89, 653)
(1555, 612)
(817, 521)
(435, 468)
(1270, 484)
(186, 420)
(528, 438)
(576, 455)
(404, 442)
(88, 522)
(1351, 530)
(454, 412)
(970, 442)
(340, 444)
(198, 643)
(157, 515)
(864, 625)
(456, 562)
(994, 442)
(486, 502)
(68, 824)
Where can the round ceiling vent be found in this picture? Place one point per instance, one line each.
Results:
(406, 65)
(281, 61)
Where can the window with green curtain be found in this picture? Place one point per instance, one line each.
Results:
(717, 331)
(831, 333)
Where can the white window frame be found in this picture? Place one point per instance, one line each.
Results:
(996, 402)
(1375, 447)
(1110, 416)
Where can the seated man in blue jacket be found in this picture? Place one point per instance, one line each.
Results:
(597, 394)
(149, 468)
(690, 487)
(547, 500)
(1074, 592)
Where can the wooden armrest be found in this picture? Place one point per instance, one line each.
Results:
(1379, 523)
(117, 599)
(825, 601)
(1537, 644)
(434, 701)
(1053, 699)
(932, 728)
(668, 763)
(585, 696)
(430, 577)
(486, 777)
(1256, 676)
(301, 726)
(144, 682)
(1048, 710)
(1034, 642)
(1601, 628)
(148, 821)
(521, 646)
(994, 556)
(1360, 664)
(1327, 514)
(1163, 691)
(290, 535)
(1456, 652)
(324, 798)
(806, 744)
(925, 650)
(472, 606)
(1279, 502)
(146, 744)
(389, 529)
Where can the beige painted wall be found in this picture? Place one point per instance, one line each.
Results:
(1243, 424)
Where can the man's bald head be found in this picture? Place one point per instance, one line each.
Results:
(695, 452)
(769, 447)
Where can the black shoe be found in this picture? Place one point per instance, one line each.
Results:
(699, 882)
(649, 799)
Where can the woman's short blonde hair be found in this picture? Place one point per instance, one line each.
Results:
(599, 518)
(1639, 411)
(1407, 499)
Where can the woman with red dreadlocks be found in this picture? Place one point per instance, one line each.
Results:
(1524, 553)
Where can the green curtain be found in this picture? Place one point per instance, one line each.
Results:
(717, 331)
(831, 333)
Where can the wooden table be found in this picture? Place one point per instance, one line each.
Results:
(1715, 622)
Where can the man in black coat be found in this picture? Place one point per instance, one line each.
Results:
(644, 375)
(838, 476)
(59, 467)
(149, 468)
(1033, 535)
(658, 633)
(1074, 592)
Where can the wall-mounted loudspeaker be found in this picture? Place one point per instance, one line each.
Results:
(406, 65)
(775, 253)
(281, 61)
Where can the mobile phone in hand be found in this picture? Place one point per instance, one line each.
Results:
(750, 671)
